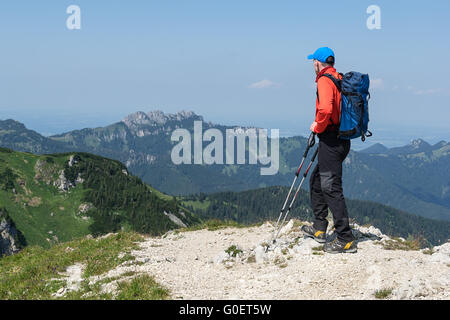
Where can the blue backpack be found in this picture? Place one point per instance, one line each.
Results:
(354, 89)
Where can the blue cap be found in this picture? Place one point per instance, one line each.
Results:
(322, 54)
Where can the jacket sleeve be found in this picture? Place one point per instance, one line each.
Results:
(325, 104)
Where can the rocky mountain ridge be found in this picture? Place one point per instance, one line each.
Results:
(242, 263)
(413, 178)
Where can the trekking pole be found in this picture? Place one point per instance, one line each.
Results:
(296, 193)
(311, 142)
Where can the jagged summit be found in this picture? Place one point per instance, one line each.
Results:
(419, 143)
(158, 117)
(415, 146)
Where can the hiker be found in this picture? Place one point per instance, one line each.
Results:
(326, 179)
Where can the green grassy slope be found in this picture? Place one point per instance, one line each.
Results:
(46, 215)
(42, 213)
(35, 272)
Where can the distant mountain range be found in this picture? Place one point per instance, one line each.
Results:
(53, 198)
(415, 147)
(414, 178)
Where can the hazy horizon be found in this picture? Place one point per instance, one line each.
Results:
(61, 123)
(234, 62)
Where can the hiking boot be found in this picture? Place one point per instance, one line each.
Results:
(311, 232)
(337, 246)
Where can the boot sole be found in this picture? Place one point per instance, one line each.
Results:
(317, 239)
(342, 251)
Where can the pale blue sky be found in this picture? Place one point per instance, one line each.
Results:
(207, 56)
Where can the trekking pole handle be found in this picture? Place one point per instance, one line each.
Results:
(311, 142)
(312, 139)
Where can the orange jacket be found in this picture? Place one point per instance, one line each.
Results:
(328, 101)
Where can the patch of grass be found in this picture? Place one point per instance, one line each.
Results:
(383, 293)
(429, 251)
(399, 244)
(128, 274)
(90, 291)
(291, 245)
(213, 225)
(317, 251)
(201, 205)
(233, 251)
(297, 223)
(27, 274)
(142, 287)
(280, 262)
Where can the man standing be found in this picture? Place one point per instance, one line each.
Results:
(326, 179)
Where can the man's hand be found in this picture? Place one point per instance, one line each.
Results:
(313, 127)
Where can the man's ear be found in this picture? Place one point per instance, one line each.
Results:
(316, 66)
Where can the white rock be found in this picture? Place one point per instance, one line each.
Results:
(277, 251)
(260, 254)
(221, 257)
(412, 288)
(287, 228)
(445, 248)
(305, 246)
(441, 254)
(440, 258)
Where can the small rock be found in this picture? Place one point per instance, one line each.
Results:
(221, 257)
(260, 254)
(170, 259)
(441, 254)
(60, 292)
(305, 246)
(287, 228)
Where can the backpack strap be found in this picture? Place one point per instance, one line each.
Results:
(337, 83)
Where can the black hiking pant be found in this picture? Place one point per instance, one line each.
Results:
(326, 185)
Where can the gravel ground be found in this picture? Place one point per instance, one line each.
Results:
(194, 265)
